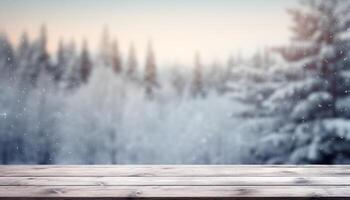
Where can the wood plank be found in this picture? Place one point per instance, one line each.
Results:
(118, 182)
(174, 181)
(173, 191)
(173, 171)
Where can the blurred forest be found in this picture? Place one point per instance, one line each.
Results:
(283, 105)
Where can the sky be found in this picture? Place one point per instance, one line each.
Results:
(176, 28)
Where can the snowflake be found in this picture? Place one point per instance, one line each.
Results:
(4, 115)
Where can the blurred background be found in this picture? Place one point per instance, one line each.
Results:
(175, 82)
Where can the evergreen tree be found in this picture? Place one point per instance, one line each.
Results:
(116, 58)
(85, 63)
(197, 82)
(312, 102)
(40, 60)
(23, 51)
(178, 80)
(217, 78)
(151, 82)
(132, 63)
(61, 63)
(105, 47)
(262, 59)
(7, 58)
(71, 78)
(25, 60)
(227, 73)
(24, 46)
(43, 57)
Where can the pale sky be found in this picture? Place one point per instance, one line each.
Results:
(178, 28)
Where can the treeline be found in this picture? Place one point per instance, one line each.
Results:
(71, 66)
(37, 87)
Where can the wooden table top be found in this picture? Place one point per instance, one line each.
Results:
(173, 181)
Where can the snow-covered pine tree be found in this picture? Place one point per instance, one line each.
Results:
(131, 63)
(218, 77)
(312, 104)
(151, 82)
(24, 45)
(257, 59)
(23, 57)
(197, 87)
(39, 64)
(61, 63)
(7, 58)
(116, 58)
(178, 80)
(85, 63)
(71, 78)
(262, 58)
(105, 47)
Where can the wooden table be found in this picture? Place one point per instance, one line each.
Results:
(182, 182)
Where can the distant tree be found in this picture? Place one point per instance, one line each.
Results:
(151, 82)
(40, 59)
(312, 103)
(99, 133)
(23, 47)
(262, 58)
(23, 51)
(25, 61)
(178, 80)
(227, 73)
(132, 63)
(44, 57)
(61, 64)
(197, 81)
(105, 47)
(216, 77)
(85, 63)
(72, 74)
(116, 58)
(7, 58)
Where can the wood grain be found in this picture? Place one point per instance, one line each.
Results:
(174, 181)
(179, 182)
(174, 191)
(173, 171)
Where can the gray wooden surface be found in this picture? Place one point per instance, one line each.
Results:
(119, 182)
